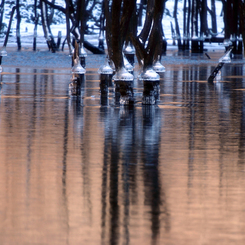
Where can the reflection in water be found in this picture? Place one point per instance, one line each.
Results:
(75, 170)
(125, 139)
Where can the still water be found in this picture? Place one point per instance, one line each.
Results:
(84, 171)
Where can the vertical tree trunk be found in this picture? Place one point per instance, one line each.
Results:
(102, 27)
(35, 26)
(188, 24)
(108, 28)
(1, 14)
(242, 22)
(194, 31)
(178, 36)
(184, 25)
(116, 40)
(194, 19)
(154, 47)
(47, 34)
(235, 27)
(227, 18)
(18, 25)
(120, 23)
(214, 21)
(68, 36)
(82, 21)
(204, 22)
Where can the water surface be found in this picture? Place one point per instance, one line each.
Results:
(80, 170)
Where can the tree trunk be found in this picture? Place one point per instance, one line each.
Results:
(188, 23)
(68, 37)
(51, 15)
(120, 27)
(184, 26)
(18, 24)
(35, 26)
(194, 19)
(108, 28)
(35, 34)
(154, 47)
(204, 22)
(213, 16)
(242, 23)
(178, 36)
(116, 41)
(81, 18)
(1, 14)
(9, 27)
(227, 18)
(47, 35)
(148, 22)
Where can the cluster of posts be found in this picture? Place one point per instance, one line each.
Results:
(121, 81)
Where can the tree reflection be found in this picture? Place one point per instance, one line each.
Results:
(130, 149)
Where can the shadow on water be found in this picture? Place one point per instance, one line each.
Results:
(81, 169)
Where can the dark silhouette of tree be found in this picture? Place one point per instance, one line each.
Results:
(153, 32)
(118, 19)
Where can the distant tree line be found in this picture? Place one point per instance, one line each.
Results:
(120, 21)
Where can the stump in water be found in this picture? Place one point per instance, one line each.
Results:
(106, 73)
(223, 60)
(82, 56)
(158, 67)
(151, 91)
(78, 78)
(129, 53)
(124, 87)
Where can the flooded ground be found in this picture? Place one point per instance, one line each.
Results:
(80, 170)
